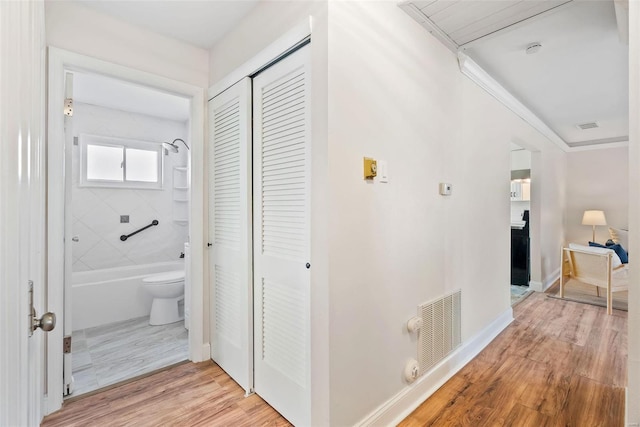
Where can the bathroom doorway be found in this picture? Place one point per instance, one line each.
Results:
(109, 151)
(126, 210)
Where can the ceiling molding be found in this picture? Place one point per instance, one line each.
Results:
(599, 146)
(471, 69)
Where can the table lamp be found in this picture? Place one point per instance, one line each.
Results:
(594, 218)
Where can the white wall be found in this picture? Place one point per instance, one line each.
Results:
(520, 159)
(264, 24)
(96, 211)
(548, 201)
(74, 27)
(597, 179)
(396, 94)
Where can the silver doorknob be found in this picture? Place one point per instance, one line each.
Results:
(75, 238)
(47, 322)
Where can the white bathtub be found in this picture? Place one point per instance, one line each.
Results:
(100, 297)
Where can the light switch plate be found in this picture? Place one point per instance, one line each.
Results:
(383, 171)
(370, 168)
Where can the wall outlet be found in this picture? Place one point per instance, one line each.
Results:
(411, 371)
(414, 324)
(446, 189)
(124, 219)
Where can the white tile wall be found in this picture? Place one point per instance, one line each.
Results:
(96, 211)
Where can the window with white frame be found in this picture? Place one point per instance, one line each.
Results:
(116, 162)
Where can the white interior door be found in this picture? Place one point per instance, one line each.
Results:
(21, 212)
(230, 232)
(281, 171)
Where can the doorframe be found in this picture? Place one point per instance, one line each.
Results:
(59, 61)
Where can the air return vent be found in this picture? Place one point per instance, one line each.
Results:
(440, 332)
(590, 125)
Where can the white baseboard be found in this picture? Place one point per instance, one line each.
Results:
(546, 283)
(201, 353)
(402, 404)
(535, 286)
(551, 279)
(206, 352)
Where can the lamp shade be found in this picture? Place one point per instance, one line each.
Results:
(594, 218)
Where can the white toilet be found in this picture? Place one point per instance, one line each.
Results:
(167, 289)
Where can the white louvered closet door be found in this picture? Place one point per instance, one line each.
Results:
(230, 232)
(281, 188)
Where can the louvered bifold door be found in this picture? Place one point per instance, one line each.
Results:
(281, 189)
(230, 232)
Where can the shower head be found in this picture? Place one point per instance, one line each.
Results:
(173, 146)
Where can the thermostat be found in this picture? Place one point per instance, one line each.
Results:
(446, 189)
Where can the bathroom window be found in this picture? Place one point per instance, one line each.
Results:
(116, 162)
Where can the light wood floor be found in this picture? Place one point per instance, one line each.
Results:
(559, 363)
(186, 395)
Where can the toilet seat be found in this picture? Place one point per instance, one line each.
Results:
(164, 278)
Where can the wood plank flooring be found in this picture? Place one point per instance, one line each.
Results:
(187, 395)
(559, 363)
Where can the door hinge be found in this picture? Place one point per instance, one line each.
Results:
(68, 107)
(66, 344)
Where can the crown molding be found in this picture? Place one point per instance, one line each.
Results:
(478, 75)
(600, 146)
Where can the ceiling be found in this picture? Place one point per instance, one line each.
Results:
(120, 95)
(200, 23)
(579, 75)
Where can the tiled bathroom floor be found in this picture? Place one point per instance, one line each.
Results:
(108, 354)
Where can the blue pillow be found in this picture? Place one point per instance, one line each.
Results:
(619, 250)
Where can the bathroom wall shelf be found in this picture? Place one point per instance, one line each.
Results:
(180, 195)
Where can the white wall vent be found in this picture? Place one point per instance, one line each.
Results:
(440, 332)
(590, 125)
